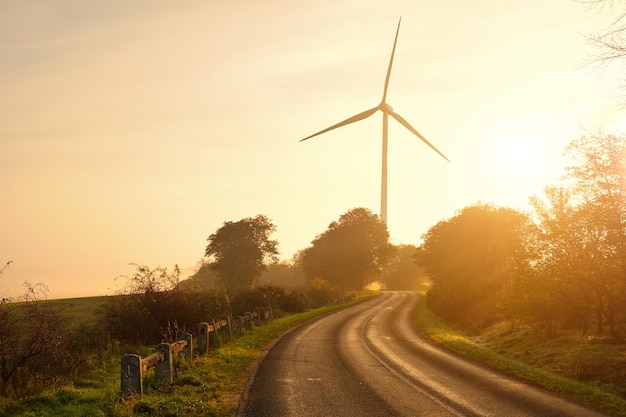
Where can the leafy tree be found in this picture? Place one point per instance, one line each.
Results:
(283, 274)
(577, 268)
(402, 273)
(470, 259)
(203, 279)
(599, 171)
(551, 290)
(351, 253)
(239, 251)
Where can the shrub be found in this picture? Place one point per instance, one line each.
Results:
(320, 292)
(37, 347)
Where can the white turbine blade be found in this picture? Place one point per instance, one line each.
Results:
(393, 51)
(416, 133)
(356, 118)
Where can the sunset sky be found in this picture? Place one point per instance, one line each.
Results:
(131, 130)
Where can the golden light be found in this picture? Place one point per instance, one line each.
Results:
(517, 155)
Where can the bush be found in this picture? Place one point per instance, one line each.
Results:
(140, 319)
(38, 347)
(320, 292)
(294, 302)
(156, 308)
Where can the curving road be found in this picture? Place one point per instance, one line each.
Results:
(368, 360)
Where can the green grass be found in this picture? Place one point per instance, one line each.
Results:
(550, 364)
(210, 387)
(77, 310)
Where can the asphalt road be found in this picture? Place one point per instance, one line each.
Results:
(369, 360)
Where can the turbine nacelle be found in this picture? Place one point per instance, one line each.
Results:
(385, 108)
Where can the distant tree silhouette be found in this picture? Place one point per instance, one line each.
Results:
(283, 274)
(203, 279)
(351, 253)
(238, 252)
(401, 272)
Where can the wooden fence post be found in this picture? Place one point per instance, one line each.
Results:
(203, 338)
(163, 371)
(132, 373)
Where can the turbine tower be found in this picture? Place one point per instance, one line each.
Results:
(387, 111)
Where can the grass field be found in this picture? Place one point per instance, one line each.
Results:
(78, 309)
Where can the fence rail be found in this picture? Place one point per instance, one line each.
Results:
(162, 360)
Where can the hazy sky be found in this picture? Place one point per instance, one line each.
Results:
(131, 130)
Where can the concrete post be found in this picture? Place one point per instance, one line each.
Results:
(213, 339)
(227, 328)
(187, 352)
(238, 326)
(203, 338)
(164, 371)
(131, 375)
(249, 321)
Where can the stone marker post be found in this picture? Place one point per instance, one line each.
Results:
(164, 371)
(131, 375)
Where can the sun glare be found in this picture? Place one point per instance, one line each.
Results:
(516, 155)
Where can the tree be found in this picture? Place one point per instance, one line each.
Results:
(283, 274)
(203, 279)
(238, 252)
(551, 291)
(351, 253)
(401, 272)
(610, 43)
(577, 262)
(470, 259)
(599, 172)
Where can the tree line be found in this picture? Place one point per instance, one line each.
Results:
(351, 253)
(563, 265)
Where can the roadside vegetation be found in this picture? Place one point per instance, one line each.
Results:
(210, 387)
(587, 370)
(541, 295)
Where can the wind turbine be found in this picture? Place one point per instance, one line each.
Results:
(387, 111)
